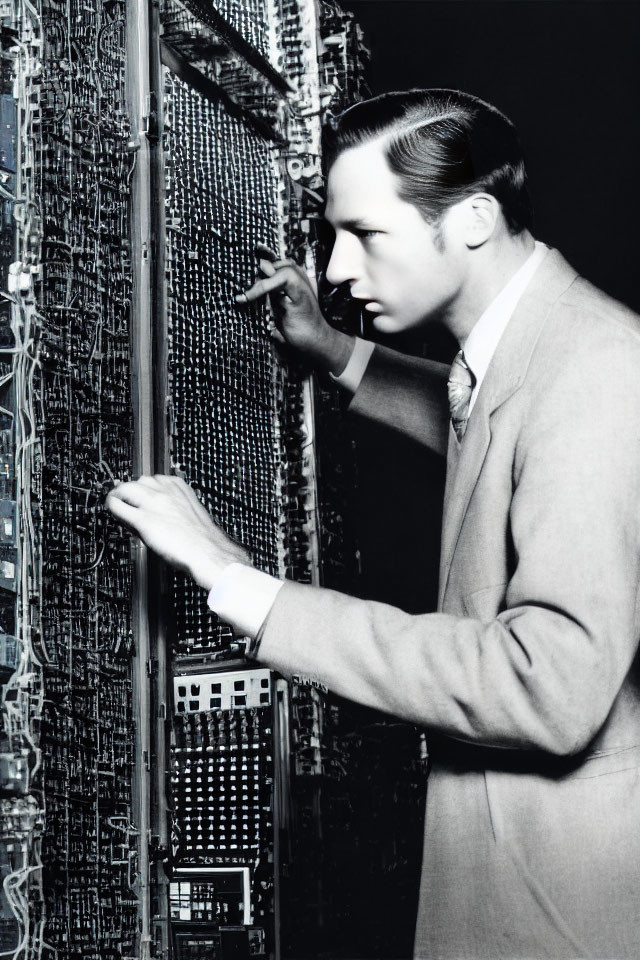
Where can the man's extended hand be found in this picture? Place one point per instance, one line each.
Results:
(167, 515)
(299, 320)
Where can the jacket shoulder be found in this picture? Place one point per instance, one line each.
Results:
(584, 313)
(586, 359)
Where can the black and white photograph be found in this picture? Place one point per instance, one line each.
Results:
(319, 480)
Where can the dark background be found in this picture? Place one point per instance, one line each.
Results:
(567, 74)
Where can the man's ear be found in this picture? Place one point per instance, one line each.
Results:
(481, 214)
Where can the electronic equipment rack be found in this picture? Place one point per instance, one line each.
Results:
(161, 796)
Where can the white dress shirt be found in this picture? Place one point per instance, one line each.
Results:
(243, 596)
(483, 340)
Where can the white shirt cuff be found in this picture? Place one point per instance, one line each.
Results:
(358, 362)
(243, 596)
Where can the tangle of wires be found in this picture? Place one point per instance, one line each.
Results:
(81, 405)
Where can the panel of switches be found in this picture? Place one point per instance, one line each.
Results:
(222, 777)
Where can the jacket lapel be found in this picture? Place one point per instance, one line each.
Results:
(504, 377)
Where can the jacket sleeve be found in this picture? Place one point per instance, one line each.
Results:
(406, 394)
(545, 672)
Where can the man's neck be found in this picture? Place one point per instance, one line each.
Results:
(491, 267)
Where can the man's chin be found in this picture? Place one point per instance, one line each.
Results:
(385, 323)
(388, 323)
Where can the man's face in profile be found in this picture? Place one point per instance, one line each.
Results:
(406, 271)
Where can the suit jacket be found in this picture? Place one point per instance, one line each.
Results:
(527, 676)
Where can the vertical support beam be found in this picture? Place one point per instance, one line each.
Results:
(309, 18)
(161, 699)
(138, 41)
(281, 798)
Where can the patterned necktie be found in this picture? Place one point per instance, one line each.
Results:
(460, 386)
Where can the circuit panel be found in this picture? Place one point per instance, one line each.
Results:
(221, 190)
(81, 395)
(257, 770)
(20, 815)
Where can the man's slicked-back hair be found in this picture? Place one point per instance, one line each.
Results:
(443, 145)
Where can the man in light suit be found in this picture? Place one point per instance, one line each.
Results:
(527, 676)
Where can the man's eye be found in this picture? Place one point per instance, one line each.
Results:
(367, 234)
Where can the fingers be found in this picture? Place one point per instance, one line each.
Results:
(136, 493)
(122, 511)
(267, 267)
(262, 250)
(133, 493)
(283, 271)
(280, 280)
(151, 482)
(270, 267)
(275, 334)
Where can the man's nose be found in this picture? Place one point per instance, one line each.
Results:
(343, 265)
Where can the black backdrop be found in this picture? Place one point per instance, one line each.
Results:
(567, 74)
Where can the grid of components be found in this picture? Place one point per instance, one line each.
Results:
(83, 403)
(223, 784)
(221, 194)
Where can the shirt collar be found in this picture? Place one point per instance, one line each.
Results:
(483, 340)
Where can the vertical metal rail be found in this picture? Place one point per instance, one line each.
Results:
(309, 17)
(162, 464)
(141, 385)
(281, 798)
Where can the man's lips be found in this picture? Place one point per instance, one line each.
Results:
(368, 303)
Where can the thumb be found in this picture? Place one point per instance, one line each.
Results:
(275, 334)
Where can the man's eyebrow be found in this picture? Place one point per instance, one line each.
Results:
(355, 224)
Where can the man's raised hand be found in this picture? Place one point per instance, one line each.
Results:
(299, 320)
(167, 515)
